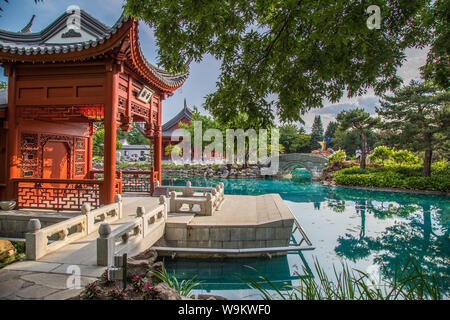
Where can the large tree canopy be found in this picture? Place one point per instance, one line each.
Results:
(417, 116)
(285, 55)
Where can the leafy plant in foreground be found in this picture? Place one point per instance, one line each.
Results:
(407, 283)
(184, 287)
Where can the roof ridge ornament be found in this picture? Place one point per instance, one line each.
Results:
(27, 28)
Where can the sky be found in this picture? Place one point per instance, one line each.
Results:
(203, 76)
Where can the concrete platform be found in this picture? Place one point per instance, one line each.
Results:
(242, 222)
(36, 279)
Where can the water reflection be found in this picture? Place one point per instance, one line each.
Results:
(358, 227)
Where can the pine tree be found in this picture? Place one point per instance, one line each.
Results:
(417, 117)
(316, 133)
(331, 129)
(358, 119)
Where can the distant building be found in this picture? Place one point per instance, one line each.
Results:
(184, 116)
(130, 152)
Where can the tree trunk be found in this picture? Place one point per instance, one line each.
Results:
(362, 163)
(427, 163)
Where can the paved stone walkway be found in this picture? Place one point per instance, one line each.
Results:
(48, 278)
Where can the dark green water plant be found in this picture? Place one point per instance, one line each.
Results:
(406, 283)
(184, 287)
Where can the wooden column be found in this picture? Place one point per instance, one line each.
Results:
(110, 123)
(13, 150)
(157, 147)
(157, 151)
(90, 155)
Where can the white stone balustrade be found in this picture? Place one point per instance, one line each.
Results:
(208, 199)
(40, 242)
(133, 237)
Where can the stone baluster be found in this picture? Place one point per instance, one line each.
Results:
(105, 246)
(35, 242)
(118, 199)
(173, 204)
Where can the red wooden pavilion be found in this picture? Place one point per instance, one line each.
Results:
(61, 81)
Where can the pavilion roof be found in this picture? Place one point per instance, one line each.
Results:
(185, 113)
(59, 42)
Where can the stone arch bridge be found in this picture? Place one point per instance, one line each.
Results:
(311, 162)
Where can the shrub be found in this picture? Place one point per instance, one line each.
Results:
(392, 179)
(336, 157)
(404, 157)
(381, 154)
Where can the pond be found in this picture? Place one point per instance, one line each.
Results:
(362, 229)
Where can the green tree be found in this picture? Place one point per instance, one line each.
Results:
(98, 143)
(417, 117)
(300, 52)
(351, 140)
(135, 137)
(437, 68)
(293, 139)
(316, 133)
(331, 129)
(361, 121)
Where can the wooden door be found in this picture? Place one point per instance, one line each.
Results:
(56, 164)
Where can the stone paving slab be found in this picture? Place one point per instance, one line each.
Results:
(33, 266)
(86, 271)
(244, 211)
(10, 287)
(35, 292)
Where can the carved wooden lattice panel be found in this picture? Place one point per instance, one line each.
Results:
(57, 196)
(80, 156)
(30, 155)
(136, 182)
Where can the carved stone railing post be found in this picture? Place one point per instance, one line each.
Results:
(34, 240)
(209, 205)
(86, 210)
(173, 204)
(118, 199)
(105, 246)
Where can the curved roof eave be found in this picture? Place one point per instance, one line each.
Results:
(151, 72)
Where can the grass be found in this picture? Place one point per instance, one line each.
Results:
(407, 283)
(184, 287)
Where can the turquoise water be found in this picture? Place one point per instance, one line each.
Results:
(362, 229)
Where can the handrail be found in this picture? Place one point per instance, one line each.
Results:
(38, 242)
(132, 237)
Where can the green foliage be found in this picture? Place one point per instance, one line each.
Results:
(292, 140)
(135, 137)
(300, 52)
(437, 68)
(404, 156)
(416, 117)
(184, 287)
(173, 148)
(98, 141)
(316, 133)
(331, 129)
(396, 176)
(361, 121)
(350, 141)
(407, 282)
(385, 155)
(381, 154)
(337, 157)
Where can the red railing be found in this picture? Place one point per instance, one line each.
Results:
(132, 181)
(59, 194)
